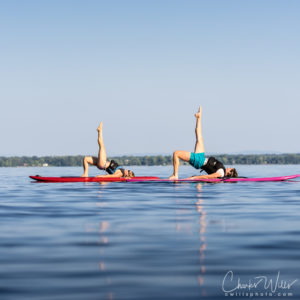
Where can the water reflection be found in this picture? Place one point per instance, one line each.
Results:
(202, 231)
(104, 240)
(184, 224)
(102, 229)
(187, 227)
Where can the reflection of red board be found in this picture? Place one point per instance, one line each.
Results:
(88, 179)
(155, 179)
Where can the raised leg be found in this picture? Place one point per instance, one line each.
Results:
(199, 146)
(102, 159)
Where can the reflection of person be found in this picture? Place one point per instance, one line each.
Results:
(111, 167)
(197, 159)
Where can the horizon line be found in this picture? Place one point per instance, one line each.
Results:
(158, 154)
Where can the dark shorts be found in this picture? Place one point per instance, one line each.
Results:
(197, 160)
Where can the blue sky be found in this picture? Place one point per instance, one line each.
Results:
(143, 68)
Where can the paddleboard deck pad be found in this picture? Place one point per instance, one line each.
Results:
(158, 179)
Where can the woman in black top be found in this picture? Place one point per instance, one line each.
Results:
(111, 167)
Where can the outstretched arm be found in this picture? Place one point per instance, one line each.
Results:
(107, 175)
(118, 173)
(210, 176)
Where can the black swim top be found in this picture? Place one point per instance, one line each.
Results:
(113, 167)
(213, 165)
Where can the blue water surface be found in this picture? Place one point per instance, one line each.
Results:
(149, 240)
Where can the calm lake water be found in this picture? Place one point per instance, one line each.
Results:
(149, 240)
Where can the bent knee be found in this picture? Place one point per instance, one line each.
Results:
(86, 159)
(177, 153)
(183, 155)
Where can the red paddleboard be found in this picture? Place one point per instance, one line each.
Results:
(157, 179)
(88, 179)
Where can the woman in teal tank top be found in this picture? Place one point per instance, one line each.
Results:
(197, 158)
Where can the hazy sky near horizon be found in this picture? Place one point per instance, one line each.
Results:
(143, 68)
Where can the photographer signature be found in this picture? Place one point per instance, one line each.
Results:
(256, 282)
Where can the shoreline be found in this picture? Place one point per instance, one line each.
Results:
(148, 160)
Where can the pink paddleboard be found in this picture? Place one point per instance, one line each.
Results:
(281, 178)
(157, 179)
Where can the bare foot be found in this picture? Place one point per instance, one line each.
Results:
(199, 113)
(173, 177)
(100, 127)
(84, 175)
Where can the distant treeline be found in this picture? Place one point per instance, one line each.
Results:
(158, 160)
